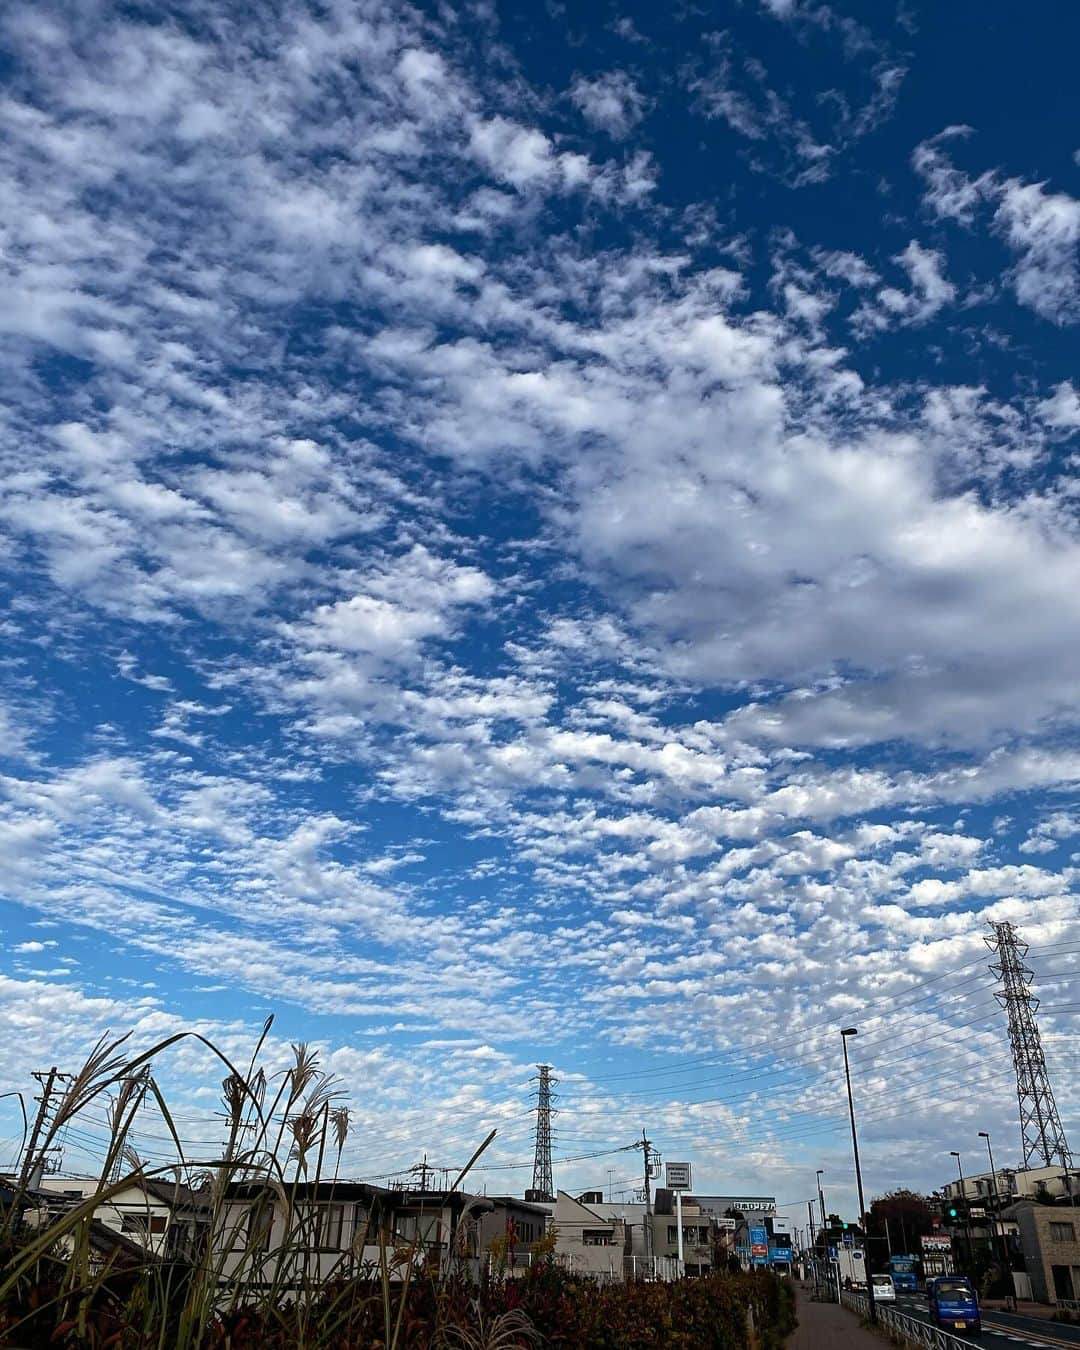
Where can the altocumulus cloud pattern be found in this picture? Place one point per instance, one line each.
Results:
(543, 532)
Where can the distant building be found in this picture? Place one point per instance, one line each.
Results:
(1009, 1184)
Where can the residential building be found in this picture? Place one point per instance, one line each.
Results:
(1010, 1184)
(631, 1216)
(1049, 1239)
(516, 1225)
(165, 1218)
(588, 1241)
(296, 1236)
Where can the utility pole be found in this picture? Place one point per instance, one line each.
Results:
(424, 1170)
(1041, 1135)
(28, 1172)
(651, 1162)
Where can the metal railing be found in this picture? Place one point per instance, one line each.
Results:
(904, 1328)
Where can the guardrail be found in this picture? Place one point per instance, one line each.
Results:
(904, 1328)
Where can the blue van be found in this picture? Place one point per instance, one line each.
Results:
(954, 1305)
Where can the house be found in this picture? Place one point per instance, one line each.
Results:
(986, 1201)
(288, 1236)
(165, 1218)
(587, 1241)
(1049, 1238)
(631, 1215)
(1008, 1184)
(513, 1225)
(296, 1236)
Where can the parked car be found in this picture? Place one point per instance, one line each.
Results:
(953, 1303)
(884, 1288)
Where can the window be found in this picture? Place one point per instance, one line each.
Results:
(1062, 1232)
(254, 1231)
(141, 1224)
(326, 1226)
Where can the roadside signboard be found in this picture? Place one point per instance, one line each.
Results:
(729, 1224)
(759, 1237)
(677, 1176)
(759, 1249)
(936, 1254)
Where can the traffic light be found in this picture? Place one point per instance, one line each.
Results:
(953, 1212)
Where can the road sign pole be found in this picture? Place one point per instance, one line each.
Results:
(678, 1221)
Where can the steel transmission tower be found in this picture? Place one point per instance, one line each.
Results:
(1040, 1125)
(543, 1186)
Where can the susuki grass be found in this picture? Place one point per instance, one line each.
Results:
(286, 1130)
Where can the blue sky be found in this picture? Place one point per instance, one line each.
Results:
(536, 532)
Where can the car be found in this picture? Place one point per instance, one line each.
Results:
(884, 1289)
(953, 1303)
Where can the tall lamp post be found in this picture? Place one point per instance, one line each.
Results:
(844, 1034)
(994, 1196)
(963, 1201)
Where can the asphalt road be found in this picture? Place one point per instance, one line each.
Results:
(1001, 1327)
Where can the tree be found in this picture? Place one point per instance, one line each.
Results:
(908, 1214)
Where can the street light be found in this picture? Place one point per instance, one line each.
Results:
(821, 1198)
(994, 1194)
(844, 1034)
(963, 1201)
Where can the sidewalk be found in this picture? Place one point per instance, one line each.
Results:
(828, 1326)
(1020, 1307)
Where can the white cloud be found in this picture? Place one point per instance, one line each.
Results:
(930, 291)
(949, 192)
(508, 578)
(1041, 228)
(1044, 229)
(610, 102)
(1062, 409)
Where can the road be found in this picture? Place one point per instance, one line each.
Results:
(1001, 1327)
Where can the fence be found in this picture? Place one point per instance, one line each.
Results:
(904, 1328)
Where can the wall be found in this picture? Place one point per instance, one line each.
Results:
(1042, 1251)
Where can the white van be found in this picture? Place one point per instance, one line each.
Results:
(884, 1289)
